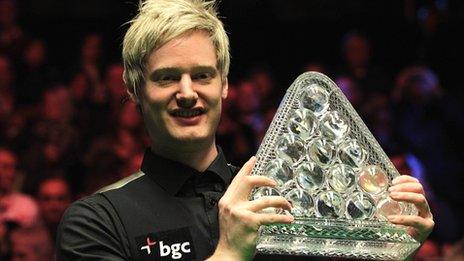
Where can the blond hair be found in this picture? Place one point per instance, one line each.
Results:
(160, 21)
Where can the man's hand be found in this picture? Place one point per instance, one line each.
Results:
(408, 189)
(239, 219)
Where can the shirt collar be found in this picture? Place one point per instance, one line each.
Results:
(171, 175)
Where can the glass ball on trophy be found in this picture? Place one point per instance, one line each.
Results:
(309, 176)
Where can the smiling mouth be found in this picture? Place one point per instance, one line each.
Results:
(187, 113)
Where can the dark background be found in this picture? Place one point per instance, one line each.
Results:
(92, 143)
(283, 34)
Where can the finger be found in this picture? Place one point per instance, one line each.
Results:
(423, 226)
(235, 183)
(404, 179)
(266, 219)
(269, 201)
(244, 171)
(417, 199)
(408, 187)
(250, 182)
(417, 222)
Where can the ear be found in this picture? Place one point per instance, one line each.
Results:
(225, 88)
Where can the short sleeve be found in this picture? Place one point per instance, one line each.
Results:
(91, 230)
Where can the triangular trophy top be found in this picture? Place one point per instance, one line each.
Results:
(328, 164)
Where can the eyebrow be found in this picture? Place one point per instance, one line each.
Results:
(201, 69)
(156, 74)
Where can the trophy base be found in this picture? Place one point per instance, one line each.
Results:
(337, 238)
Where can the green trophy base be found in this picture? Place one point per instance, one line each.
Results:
(337, 238)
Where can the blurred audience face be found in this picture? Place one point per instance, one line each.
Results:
(91, 48)
(34, 55)
(263, 82)
(52, 152)
(136, 162)
(31, 245)
(418, 84)
(400, 163)
(54, 197)
(133, 165)
(8, 163)
(249, 100)
(230, 103)
(350, 90)
(126, 145)
(79, 87)
(6, 106)
(115, 83)
(315, 67)
(57, 105)
(6, 74)
(357, 50)
(7, 13)
(129, 117)
(429, 19)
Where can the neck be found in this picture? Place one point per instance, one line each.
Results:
(197, 156)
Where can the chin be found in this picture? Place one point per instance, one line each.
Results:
(191, 136)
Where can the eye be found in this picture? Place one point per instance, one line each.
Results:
(202, 76)
(166, 78)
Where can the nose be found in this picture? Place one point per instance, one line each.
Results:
(186, 97)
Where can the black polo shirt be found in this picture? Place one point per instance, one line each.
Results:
(165, 211)
(183, 206)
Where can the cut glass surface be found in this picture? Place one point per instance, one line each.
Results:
(373, 179)
(302, 123)
(309, 176)
(351, 153)
(267, 191)
(315, 98)
(360, 206)
(288, 186)
(387, 206)
(333, 126)
(279, 171)
(322, 151)
(302, 202)
(329, 166)
(341, 178)
(329, 204)
(290, 148)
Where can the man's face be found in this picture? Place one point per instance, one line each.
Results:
(181, 100)
(54, 197)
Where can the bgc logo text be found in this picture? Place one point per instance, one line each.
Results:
(166, 245)
(175, 250)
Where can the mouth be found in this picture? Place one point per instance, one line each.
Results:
(187, 113)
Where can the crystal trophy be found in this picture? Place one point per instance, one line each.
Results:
(335, 174)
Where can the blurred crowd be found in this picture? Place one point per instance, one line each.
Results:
(67, 132)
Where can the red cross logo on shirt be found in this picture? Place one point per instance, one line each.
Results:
(148, 246)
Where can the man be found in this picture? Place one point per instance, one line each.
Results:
(176, 62)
